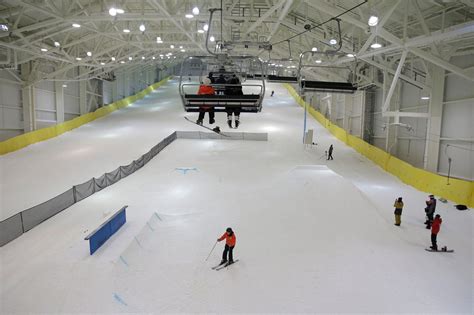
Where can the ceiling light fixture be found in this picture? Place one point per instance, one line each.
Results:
(195, 10)
(373, 20)
(143, 57)
(183, 50)
(102, 63)
(200, 31)
(89, 54)
(113, 11)
(126, 30)
(189, 16)
(318, 61)
(425, 97)
(333, 41)
(44, 49)
(142, 27)
(64, 86)
(76, 25)
(212, 38)
(57, 44)
(376, 45)
(350, 55)
(130, 58)
(78, 58)
(153, 57)
(314, 49)
(120, 11)
(205, 27)
(113, 58)
(171, 46)
(122, 61)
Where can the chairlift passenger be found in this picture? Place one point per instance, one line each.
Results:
(234, 88)
(206, 89)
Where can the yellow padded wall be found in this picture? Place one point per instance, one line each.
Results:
(21, 141)
(459, 191)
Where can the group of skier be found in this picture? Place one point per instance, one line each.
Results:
(220, 86)
(432, 222)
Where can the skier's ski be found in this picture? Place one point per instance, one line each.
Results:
(226, 265)
(216, 129)
(215, 267)
(440, 250)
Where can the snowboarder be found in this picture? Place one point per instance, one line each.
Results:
(435, 227)
(330, 153)
(229, 237)
(273, 92)
(234, 88)
(430, 210)
(206, 89)
(398, 211)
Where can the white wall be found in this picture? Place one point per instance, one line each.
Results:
(11, 113)
(458, 122)
(97, 93)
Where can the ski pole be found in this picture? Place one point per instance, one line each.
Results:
(211, 251)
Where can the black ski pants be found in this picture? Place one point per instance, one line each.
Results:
(228, 249)
(202, 112)
(433, 241)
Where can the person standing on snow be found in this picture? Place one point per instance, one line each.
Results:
(435, 227)
(330, 153)
(398, 211)
(229, 237)
(430, 210)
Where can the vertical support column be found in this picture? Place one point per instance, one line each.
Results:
(114, 90)
(59, 96)
(385, 87)
(28, 99)
(362, 113)
(346, 121)
(438, 76)
(82, 93)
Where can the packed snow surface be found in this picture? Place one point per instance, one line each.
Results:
(312, 235)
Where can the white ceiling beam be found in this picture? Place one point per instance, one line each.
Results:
(265, 16)
(160, 6)
(385, 18)
(283, 14)
(395, 40)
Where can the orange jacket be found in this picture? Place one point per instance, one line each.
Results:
(229, 240)
(206, 90)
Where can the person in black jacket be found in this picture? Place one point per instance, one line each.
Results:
(234, 88)
(430, 210)
(330, 153)
(221, 90)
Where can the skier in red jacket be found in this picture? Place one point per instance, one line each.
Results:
(229, 237)
(435, 227)
(206, 89)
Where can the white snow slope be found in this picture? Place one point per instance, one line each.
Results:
(312, 235)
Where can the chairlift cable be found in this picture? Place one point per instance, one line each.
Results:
(322, 23)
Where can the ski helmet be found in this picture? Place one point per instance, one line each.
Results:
(228, 230)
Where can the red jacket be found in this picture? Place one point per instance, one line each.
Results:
(206, 90)
(435, 226)
(229, 240)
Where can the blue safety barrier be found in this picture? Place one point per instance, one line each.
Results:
(100, 235)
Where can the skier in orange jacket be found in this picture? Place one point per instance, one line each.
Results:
(206, 89)
(229, 237)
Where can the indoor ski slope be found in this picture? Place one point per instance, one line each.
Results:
(312, 235)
